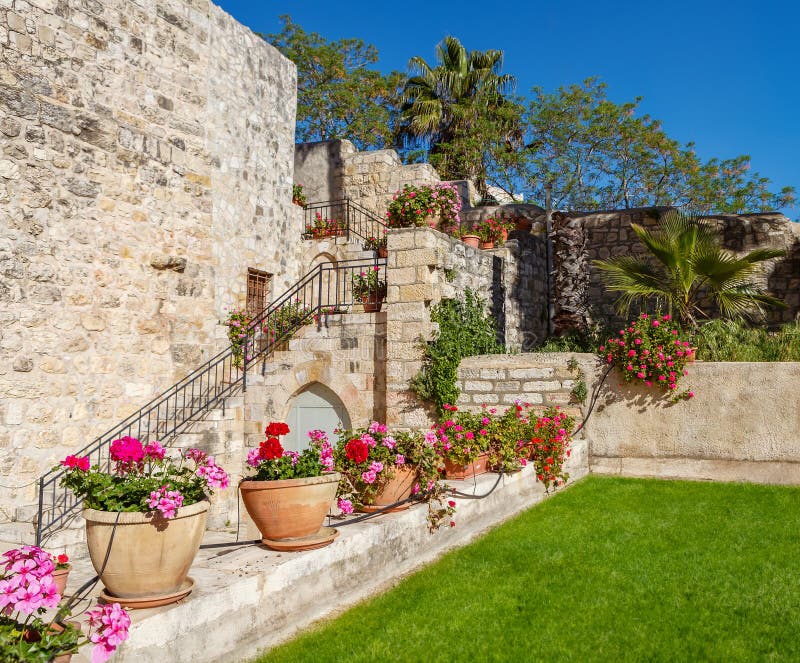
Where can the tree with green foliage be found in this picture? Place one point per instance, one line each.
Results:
(452, 109)
(687, 262)
(596, 154)
(338, 95)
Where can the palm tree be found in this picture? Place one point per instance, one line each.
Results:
(441, 103)
(687, 263)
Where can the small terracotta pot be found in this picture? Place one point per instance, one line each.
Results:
(487, 245)
(372, 304)
(60, 578)
(149, 556)
(398, 488)
(457, 471)
(471, 240)
(289, 508)
(504, 234)
(383, 252)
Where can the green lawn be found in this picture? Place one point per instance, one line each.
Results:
(610, 570)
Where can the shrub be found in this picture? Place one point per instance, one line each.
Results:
(464, 331)
(730, 340)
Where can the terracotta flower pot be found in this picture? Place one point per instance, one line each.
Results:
(383, 252)
(487, 245)
(60, 578)
(372, 303)
(398, 488)
(504, 234)
(471, 240)
(458, 471)
(149, 557)
(289, 508)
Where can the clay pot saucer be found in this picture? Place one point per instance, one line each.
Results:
(319, 539)
(153, 601)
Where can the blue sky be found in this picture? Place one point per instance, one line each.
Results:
(725, 75)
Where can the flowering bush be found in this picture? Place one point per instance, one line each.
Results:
(652, 351)
(271, 461)
(368, 285)
(368, 458)
(27, 591)
(144, 479)
(280, 324)
(239, 329)
(324, 227)
(437, 205)
(298, 197)
(549, 447)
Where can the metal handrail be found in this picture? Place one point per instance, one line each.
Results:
(327, 286)
(354, 218)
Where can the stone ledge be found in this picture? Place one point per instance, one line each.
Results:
(698, 469)
(249, 599)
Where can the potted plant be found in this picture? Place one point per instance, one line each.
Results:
(298, 197)
(492, 232)
(324, 227)
(145, 516)
(380, 469)
(27, 592)
(509, 434)
(369, 289)
(463, 443)
(469, 237)
(377, 244)
(61, 570)
(283, 322)
(428, 205)
(238, 324)
(290, 492)
(651, 350)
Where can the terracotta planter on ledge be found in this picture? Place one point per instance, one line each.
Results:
(487, 245)
(457, 471)
(383, 252)
(289, 512)
(149, 558)
(471, 240)
(398, 488)
(372, 304)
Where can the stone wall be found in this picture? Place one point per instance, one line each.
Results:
(602, 235)
(425, 267)
(741, 424)
(145, 163)
(319, 167)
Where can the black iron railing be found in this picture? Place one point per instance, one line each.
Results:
(342, 218)
(329, 287)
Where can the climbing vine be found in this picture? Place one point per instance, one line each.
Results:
(465, 330)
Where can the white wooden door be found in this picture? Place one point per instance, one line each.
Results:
(315, 408)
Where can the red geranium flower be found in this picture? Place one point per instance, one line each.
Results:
(270, 449)
(277, 428)
(357, 450)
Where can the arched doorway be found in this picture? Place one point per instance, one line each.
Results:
(315, 408)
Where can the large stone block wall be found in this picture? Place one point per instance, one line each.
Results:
(319, 167)
(145, 163)
(602, 235)
(425, 267)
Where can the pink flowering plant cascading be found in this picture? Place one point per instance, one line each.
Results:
(368, 458)
(32, 626)
(272, 462)
(550, 446)
(367, 284)
(437, 205)
(651, 351)
(143, 478)
(238, 324)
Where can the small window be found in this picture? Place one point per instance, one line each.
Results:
(257, 291)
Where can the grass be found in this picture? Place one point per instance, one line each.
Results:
(726, 340)
(610, 570)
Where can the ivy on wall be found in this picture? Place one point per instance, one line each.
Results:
(465, 330)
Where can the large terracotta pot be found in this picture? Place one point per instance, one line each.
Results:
(289, 508)
(471, 240)
(396, 489)
(487, 245)
(372, 303)
(458, 471)
(149, 556)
